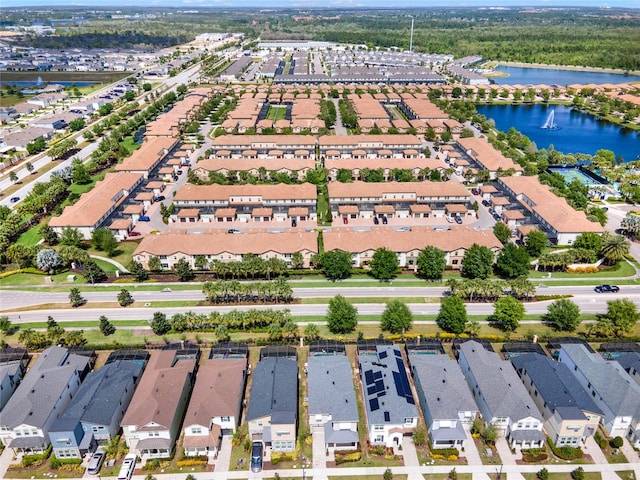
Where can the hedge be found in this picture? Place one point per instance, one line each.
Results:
(36, 459)
(347, 457)
(57, 462)
(566, 452)
(277, 457)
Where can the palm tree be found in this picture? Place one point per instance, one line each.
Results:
(615, 248)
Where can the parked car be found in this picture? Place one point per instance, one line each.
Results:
(404, 229)
(607, 288)
(294, 223)
(175, 178)
(256, 457)
(496, 216)
(485, 203)
(144, 218)
(233, 230)
(384, 220)
(95, 463)
(345, 220)
(449, 219)
(179, 172)
(14, 199)
(459, 220)
(376, 221)
(134, 234)
(160, 198)
(475, 191)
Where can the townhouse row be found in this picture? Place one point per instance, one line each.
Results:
(154, 397)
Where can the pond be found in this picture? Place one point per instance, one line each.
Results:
(576, 132)
(549, 76)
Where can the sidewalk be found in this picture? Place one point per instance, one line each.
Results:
(591, 448)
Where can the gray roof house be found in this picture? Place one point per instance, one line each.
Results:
(11, 374)
(444, 397)
(631, 364)
(610, 386)
(94, 414)
(273, 404)
(390, 406)
(41, 397)
(500, 395)
(569, 412)
(332, 400)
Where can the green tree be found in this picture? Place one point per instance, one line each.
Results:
(297, 260)
(384, 265)
(335, 264)
(154, 264)
(48, 234)
(48, 260)
(542, 474)
(160, 325)
(589, 241)
(106, 327)
(5, 325)
(420, 436)
(431, 263)
(508, 313)
(183, 270)
(477, 262)
(615, 248)
(387, 475)
(513, 261)
(502, 232)
(75, 297)
(452, 316)
(535, 241)
(77, 124)
(396, 318)
(311, 332)
(92, 272)
(71, 236)
(342, 317)
(563, 315)
(577, 474)
(619, 320)
(222, 333)
(138, 272)
(124, 297)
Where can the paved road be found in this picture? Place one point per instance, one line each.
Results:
(16, 298)
(139, 311)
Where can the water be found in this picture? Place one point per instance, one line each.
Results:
(34, 83)
(577, 132)
(547, 76)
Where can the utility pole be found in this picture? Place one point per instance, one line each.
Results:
(411, 38)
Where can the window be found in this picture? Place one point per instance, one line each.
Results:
(196, 430)
(408, 420)
(225, 419)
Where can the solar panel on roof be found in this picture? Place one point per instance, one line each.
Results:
(387, 417)
(382, 393)
(377, 375)
(383, 354)
(368, 376)
(371, 390)
(373, 404)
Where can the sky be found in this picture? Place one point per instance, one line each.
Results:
(320, 3)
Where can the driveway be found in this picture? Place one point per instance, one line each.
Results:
(224, 455)
(470, 449)
(319, 451)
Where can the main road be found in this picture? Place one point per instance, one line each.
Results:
(17, 303)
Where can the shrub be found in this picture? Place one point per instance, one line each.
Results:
(602, 442)
(543, 474)
(443, 452)
(342, 457)
(36, 459)
(578, 474)
(616, 442)
(534, 455)
(58, 462)
(566, 452)
(192, 462)
(277, 457)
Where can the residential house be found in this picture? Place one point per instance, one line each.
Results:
(95, 206)
(11, 374)
(170, 247)
(94, 414)
(389, 403)
(215, 405)
(631, 364)
(332, 400)
(249, 203)
(611, 387)
(570, 414)
(42, 396)
(552, 214)
(264, 147)
(408, 245)
(256, 167)
(487, 157)
(367, 146)
(152, 422)
(444, 397)
(272, 415)
(150, 154)
(501, 398)
(398, 199)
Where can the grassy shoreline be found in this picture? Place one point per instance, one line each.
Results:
(575, 68)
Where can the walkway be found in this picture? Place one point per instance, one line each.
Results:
(5, 460)
(507, 457)
(224, 455)
(592, 449)
(118, 265)
(470, 449)
(410, 457)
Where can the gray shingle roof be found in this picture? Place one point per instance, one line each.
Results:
(619, 391)
(387, 395)
(331, 388)
(630, 361)
(99, 396)
(499, 384)
(444, 386)
(41, 388)
(555, 382)
(274, 388)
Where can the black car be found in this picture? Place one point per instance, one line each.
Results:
(256, 457)
(233, 230)
(14, 199)
(376, 221)
(607, 289)
(384, 220)
(485, 203)
(160, 198)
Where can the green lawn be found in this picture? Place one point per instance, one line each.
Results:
(129, 145)
(34, 279)
(622, 269)
(108, 268)
(276, 113)
(30, 237)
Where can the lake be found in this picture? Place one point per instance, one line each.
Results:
(577, 132)
(548, 76)
(35, 83)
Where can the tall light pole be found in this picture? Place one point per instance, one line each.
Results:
(411, 38)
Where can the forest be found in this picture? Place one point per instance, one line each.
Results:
(608, 38)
